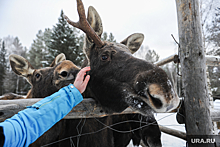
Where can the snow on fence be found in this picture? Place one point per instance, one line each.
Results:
(88, 108)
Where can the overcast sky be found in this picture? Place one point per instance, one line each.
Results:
(156, 19)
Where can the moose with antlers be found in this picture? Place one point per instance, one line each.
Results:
(118, 80)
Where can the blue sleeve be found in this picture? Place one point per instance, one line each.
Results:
(25, 127)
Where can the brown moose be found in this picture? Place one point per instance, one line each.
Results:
(118, 79)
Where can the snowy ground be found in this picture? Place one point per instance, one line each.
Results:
(169, 120)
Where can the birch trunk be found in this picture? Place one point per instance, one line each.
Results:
(193, 69)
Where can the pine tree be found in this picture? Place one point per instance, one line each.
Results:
(3, 67)
(38, 53)
(13, 82)
(152, 56)
(18, 48)
(109, 38)
(104, 36)
(47, 37)
(21, 83)
(65, 40)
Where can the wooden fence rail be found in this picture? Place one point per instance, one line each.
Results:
(210, 60)
(88, 108)
(173, 132)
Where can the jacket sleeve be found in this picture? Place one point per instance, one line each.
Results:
(25, 127)
(2, 137)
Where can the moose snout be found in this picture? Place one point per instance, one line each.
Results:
(163, 100)
(158, 98)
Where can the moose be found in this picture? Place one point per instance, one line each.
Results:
(53, 78)
(62, 72)
(118, 80)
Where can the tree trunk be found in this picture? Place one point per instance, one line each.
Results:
(193, 68)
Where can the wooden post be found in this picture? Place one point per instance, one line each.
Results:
(173, 132)
(193, 68)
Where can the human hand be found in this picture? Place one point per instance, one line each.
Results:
(79, 83)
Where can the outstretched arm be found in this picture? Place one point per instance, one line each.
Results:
(25, 127)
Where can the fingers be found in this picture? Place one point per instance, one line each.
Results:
(85, 82)
(81, 83)
(85, 69)
(82, 73)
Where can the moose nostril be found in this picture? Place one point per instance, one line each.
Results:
(63, 73)
(157, 102)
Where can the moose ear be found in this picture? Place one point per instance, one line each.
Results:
(133, 42)
(95, 21)
(59, 58)
(20, 65)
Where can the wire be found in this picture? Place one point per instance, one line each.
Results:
(110, 127)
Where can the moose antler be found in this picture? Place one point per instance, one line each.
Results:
(83, 24)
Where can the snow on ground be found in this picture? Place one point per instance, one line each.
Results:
(169, 120)
(217, 104)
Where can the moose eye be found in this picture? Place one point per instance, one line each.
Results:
(37, 75)
(104, 57)
(63, 73)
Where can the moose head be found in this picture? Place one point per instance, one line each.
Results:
(48, 80)
(118, 79)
